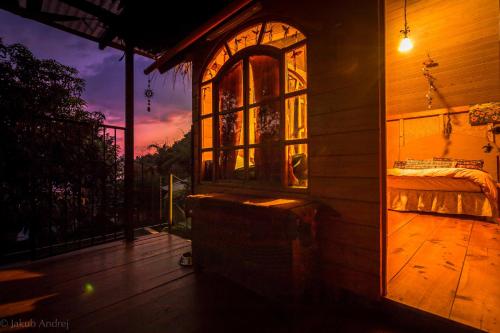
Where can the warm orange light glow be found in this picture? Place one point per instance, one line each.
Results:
(405, 45)
(18, 274)
(16, 308)
(269, 203)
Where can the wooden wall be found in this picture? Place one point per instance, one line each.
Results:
(421, 137)
(463, 37)
(345, 72)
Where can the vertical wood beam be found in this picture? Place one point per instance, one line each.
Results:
(129, 143)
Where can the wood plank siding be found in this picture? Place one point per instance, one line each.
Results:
(344, 97)
(461, 35)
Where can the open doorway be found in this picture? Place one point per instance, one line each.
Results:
(442, 116)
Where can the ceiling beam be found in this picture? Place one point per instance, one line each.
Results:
(231, 9)
(13, 7)
(103, 15)
(112, 21)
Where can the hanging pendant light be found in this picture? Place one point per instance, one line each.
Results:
(405, 44)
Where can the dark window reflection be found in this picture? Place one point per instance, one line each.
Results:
(265, 164)
(264, 123)
(231, 165)
(230, 129)
(231, 88)
(264, 78)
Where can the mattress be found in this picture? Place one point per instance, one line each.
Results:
(442, 190)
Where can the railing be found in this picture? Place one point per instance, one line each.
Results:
(178, 222)
(70, 192)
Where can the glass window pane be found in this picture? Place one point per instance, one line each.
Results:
(264, 78)
(207, 165)
(231, 164)
(296, 165)
(265, 164)
(215, 64)
(264, 123)
(244, 39)
(281, 35)
(231, 88)
(206, 133)
(231, 129)
(206, 99)
(296, 117)
(296, 69)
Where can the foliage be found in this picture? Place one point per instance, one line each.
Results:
(55, 155)
(168, 159)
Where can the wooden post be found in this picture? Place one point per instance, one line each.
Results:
(161, 200)
(170, 200)
(129, 143)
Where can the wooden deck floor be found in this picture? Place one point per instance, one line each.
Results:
(141, 288)
(447, 266)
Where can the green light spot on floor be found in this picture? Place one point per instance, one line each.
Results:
(88, 288)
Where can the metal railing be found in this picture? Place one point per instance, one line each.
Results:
(70, 191)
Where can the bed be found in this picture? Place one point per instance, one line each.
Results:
(445, 190)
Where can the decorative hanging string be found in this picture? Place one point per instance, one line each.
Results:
(429, 63)
(148, 93)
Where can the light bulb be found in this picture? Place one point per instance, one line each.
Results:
(405, 45)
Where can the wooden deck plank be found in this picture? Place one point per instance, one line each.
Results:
(133, 314)
(430, 278)
(477, 302)
(404, 242)
(111, 285)
(118, 253)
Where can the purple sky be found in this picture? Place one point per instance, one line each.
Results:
(170, 115)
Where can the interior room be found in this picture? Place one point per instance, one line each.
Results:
(442, 126)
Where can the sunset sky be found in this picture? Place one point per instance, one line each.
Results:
(103, 72)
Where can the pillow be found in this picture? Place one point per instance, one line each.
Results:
(399, 164)
(443, 162)
(470, 164)
(419, 164)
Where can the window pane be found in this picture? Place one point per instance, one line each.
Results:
(231, 129)
(231, 164)
(231, 88)
(206, 133)
(244, 39)
(281, 35)
(296, 117)
(206, 99)
(265, 164)
(264, 78)
(264, 123)
(296, 69)
(207, 165)
(215, 64)
(296, 165)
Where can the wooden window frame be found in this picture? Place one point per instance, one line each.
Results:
(244, 56)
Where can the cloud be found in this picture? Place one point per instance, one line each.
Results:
(104, 74)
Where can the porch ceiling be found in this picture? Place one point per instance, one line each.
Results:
(152, 26)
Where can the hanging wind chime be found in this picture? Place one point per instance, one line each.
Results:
(148, 93)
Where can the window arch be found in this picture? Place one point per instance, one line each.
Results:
(253, 108)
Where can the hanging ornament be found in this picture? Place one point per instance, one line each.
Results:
(428, 64)
(148, 93)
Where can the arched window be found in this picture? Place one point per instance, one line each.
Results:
(253, 108)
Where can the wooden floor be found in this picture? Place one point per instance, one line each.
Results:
(141, 288)
(447, 266)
